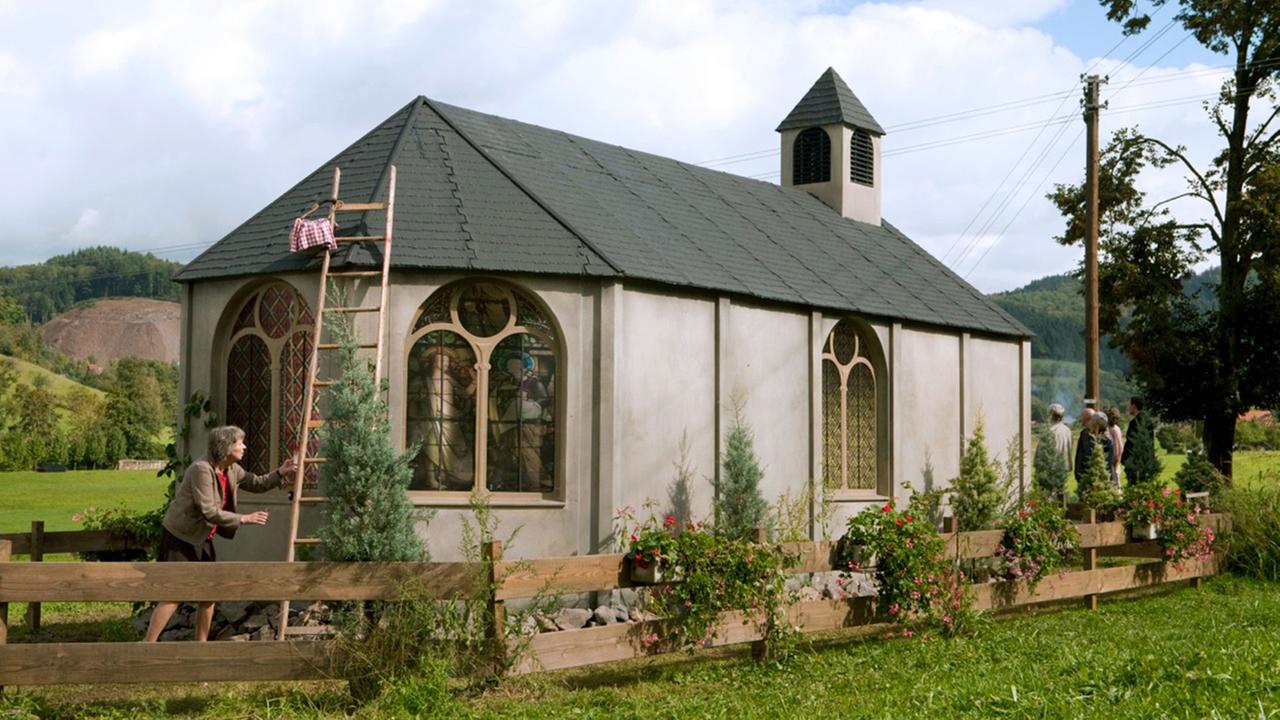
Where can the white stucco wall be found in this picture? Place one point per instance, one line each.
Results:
(766, 364)
(665, 391)
(644, 368)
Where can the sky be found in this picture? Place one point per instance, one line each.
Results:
(161, 126)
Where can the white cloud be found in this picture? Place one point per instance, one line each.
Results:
(184, 118)
(86, 226)
(17, 79)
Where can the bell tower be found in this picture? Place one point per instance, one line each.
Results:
(831, 149)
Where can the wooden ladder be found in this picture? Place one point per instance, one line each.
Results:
(308, 421)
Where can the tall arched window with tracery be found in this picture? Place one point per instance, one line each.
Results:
(851, 426)
(268, 350)
(481, 391)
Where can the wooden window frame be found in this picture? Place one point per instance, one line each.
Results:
(483, 347)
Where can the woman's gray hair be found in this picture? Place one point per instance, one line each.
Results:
(1098, 422)
(221, 439)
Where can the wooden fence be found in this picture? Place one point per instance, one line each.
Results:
(50, 663)
(37, 543)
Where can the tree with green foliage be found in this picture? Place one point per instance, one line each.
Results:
(976, 494)
(56, 285)
(1097, 478)
(33, 435)
(1192, 360)
(740, 507)
(368, 515)
(1141, 463)
(1197, 474)
(1049, 468)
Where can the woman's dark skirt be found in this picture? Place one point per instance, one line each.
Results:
(175, 549)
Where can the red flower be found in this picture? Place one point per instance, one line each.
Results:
(898, 521)
(887, 508)
(908, 518)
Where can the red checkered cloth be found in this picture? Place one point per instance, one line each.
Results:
(309, 234)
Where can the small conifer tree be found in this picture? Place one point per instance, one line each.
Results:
(1050, 468)
(1197, 474)
(976, 494)
(1141, 464)
(740, 508)
(1097, 476)
(368, 515)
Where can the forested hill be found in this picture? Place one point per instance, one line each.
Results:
(1053, 308)
(61, 282)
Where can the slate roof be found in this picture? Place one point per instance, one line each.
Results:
(482, 193)
(830, 101)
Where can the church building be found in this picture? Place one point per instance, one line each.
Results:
(570, 318)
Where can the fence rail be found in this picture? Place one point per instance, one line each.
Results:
(52, 663)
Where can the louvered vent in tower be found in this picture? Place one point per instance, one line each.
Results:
(862, 159)
(811, 157)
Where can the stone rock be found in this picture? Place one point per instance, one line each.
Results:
(242, 637)
(605, 615)
(621, 614)
(141, 622)
(263, 633)
(226, 632)
(866, 588)
(234, 611)
(178, 634)
(256, 621)
(316, 613)
(805, 594)
(545, 624)
(571, 618)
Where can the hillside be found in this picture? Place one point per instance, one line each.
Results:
(59, 385)
(113, 328)
(1053, 308)
(62, 282)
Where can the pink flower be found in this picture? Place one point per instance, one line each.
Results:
(669, 521)
(907, 633)
(1166, 491)
(77, 518)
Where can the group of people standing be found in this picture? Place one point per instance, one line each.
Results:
(1099, 427)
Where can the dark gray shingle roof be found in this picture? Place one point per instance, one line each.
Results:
(483, 193)
(830, 101)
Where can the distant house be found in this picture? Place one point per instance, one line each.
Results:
(1261, 416)
(566, 312)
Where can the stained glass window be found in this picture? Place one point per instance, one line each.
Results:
(249, 399)
(441, 411)
(266, 376)
(850, 429)
(502, 341)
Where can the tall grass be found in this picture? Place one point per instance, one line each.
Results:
(1252, 547)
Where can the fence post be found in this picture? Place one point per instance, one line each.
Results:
(6, 549)
(1089, 560)
(497, 608)
(37, 555)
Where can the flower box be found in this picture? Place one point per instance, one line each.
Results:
(650, 574)
(1145, 531)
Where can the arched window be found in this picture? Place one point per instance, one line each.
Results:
(481, 391)
(862, 159)
(850, 411)
(268, 350)
(811, 157)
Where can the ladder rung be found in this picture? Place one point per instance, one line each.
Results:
(359, 207)
(335, 346)
(361, 238)
(313, 499)
(306, 541)
(356, 273)
(315, 459)
(352, 309)
(322, 383)
(312, 424)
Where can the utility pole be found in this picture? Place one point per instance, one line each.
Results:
(1092, 384)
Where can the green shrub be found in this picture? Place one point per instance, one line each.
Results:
(1049, 468)
(1252, 546)
(977, 495)
(1038, 538)
(1197, 474)
(367, 515)
(739, 505)
(1178, 437)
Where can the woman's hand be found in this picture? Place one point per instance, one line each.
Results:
(258, 518)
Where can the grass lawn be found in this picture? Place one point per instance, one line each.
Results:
(1250, 467)
(1178, 654)
(55, 497)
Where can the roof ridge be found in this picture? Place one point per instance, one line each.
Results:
(521, 186)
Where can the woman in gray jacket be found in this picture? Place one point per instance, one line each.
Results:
(204, 505)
